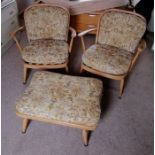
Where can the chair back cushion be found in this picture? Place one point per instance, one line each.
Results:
(44, 21)
(120, 28)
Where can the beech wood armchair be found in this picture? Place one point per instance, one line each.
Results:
(117, 47)
(47, 29)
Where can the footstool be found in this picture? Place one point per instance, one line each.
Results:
(61, 99)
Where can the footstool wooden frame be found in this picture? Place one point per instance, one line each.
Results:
(94, 88)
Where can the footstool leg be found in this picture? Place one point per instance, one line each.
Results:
(25, 74)
(121, 88)
(25, 125)
(85, 137)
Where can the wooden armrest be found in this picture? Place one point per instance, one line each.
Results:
(73, 35)
(81, 34)
(13, 35)
(141, 46)
(73, 32)
(16, 31)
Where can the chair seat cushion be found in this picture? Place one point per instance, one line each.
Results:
(63, 98)
(107, 59)
(46, 52)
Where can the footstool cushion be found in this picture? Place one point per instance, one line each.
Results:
(64, 98)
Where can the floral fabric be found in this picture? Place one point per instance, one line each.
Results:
(47, 22)
(46, 52)
(107, 59)
(63, 98)
(122, 30)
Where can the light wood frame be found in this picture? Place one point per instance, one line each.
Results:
(138, 51)
(85, 129)
(28, 65)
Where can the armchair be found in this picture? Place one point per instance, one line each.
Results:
(47, 30)
(117, 47)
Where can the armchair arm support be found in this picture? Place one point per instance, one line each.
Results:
(141, 47)
(81, 35)
(73, 35)
(13, 35)
(86, 31)
(73, 32)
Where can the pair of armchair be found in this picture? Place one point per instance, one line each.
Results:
(117, 47)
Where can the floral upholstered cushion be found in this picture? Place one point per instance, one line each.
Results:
(47, 22)
(46, 52)
(107, 59)
(122, 30)
(63, 98)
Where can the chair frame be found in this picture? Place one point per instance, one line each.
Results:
(42, 66)
(140, 48)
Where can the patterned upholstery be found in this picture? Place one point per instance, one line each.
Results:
(46, 52)
(107, 59)
(63, 98)
(122, 30)
(47, 22)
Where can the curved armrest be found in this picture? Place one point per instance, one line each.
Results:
(86, 31)
(141, 46)
(19, 29)
(73, 35)
(81, 35)
(13, 35)
(73, 32)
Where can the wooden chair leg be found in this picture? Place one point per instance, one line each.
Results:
(25, 74)
(83, 44)
(85, 137)
(121, 87)
(25, 125)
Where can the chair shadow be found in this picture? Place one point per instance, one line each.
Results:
(105, 103)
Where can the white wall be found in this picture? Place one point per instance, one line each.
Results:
(151, 23)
